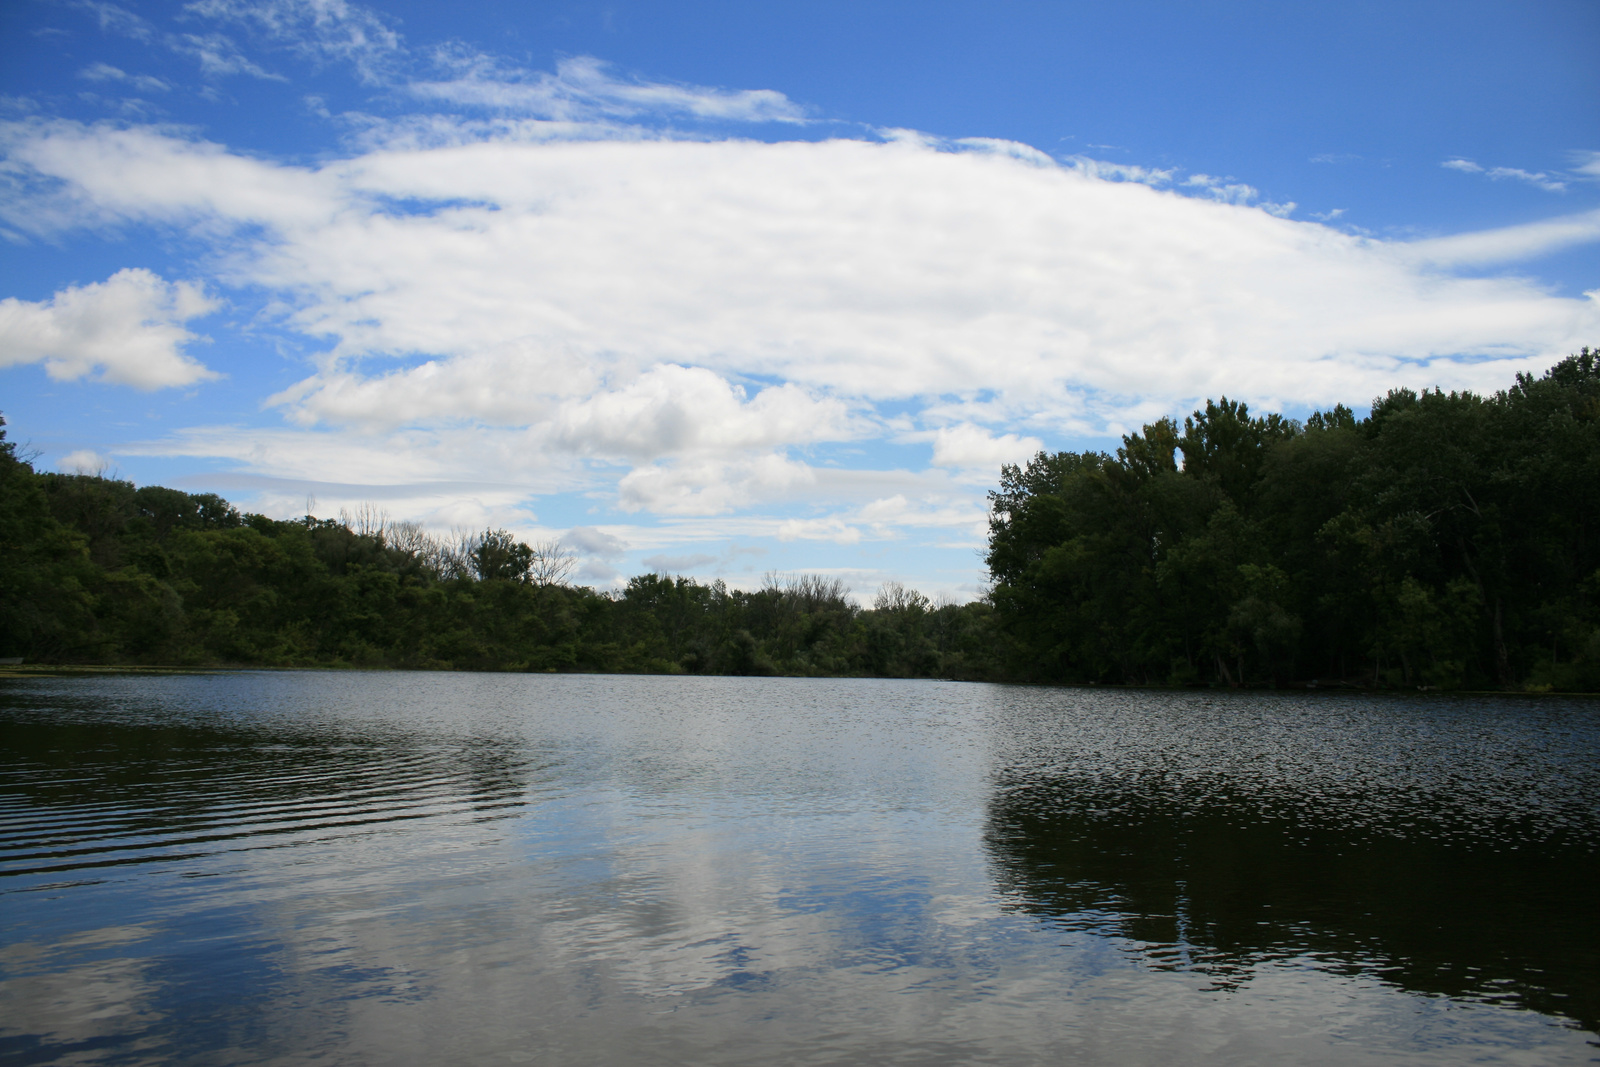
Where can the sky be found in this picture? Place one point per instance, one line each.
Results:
(732, 290)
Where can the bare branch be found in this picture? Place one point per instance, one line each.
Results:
(552, 563)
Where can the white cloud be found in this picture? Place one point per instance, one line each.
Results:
(1508, 243)
(832, 529)
(1121, 172)
(889, 518)
(663, 564)
(573, 305)
(889, 515)
(711, 486)
(583, 87)
(574, 282)
(317, 29)
(75, 175)
(672, 410)
(967, 445)
(1231, 192)
(420, 460)
(594, 542)
(105, 72)
(596, 573)
(128, 328)
(84, 461)
(115, 19)
(216, 53)
(846, 267)
(1540, 179)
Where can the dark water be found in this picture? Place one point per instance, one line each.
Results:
(420, 869)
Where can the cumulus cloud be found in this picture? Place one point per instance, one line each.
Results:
(893, 512)
(84, 461)
(576, 282)
(972, 446)
(675, 410)
(127, 330)
(594, 542)
(711, 486)
(686, 316)
(846, 269)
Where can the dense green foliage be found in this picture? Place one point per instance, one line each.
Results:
(94, 570)
(1446, 540)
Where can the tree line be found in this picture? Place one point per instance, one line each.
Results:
(1445, 540)
(94, 570)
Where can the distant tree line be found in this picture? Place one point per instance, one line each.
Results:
(94, 570)
(1447, 540)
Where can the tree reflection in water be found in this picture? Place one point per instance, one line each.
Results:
(1209, 875)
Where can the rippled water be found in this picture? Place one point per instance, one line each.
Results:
(436, 868)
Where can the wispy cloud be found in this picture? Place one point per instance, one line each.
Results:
(321, 30)
(1121, 172)
(1230, 191)
(216, 53)
(218, 56)
(105, 72)
(583, 87)
(119, 20)
(1507, 244)
(1539, 180)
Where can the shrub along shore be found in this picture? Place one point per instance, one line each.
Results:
(1445, 541)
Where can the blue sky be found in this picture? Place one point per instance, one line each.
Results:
(725, 289)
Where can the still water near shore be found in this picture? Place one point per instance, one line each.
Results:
(442, 868)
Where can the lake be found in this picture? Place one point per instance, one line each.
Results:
(426, 868)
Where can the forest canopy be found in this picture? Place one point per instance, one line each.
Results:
(1445, 540)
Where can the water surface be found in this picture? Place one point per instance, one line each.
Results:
(442, 868)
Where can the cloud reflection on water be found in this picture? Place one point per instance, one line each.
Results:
(410, 869)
